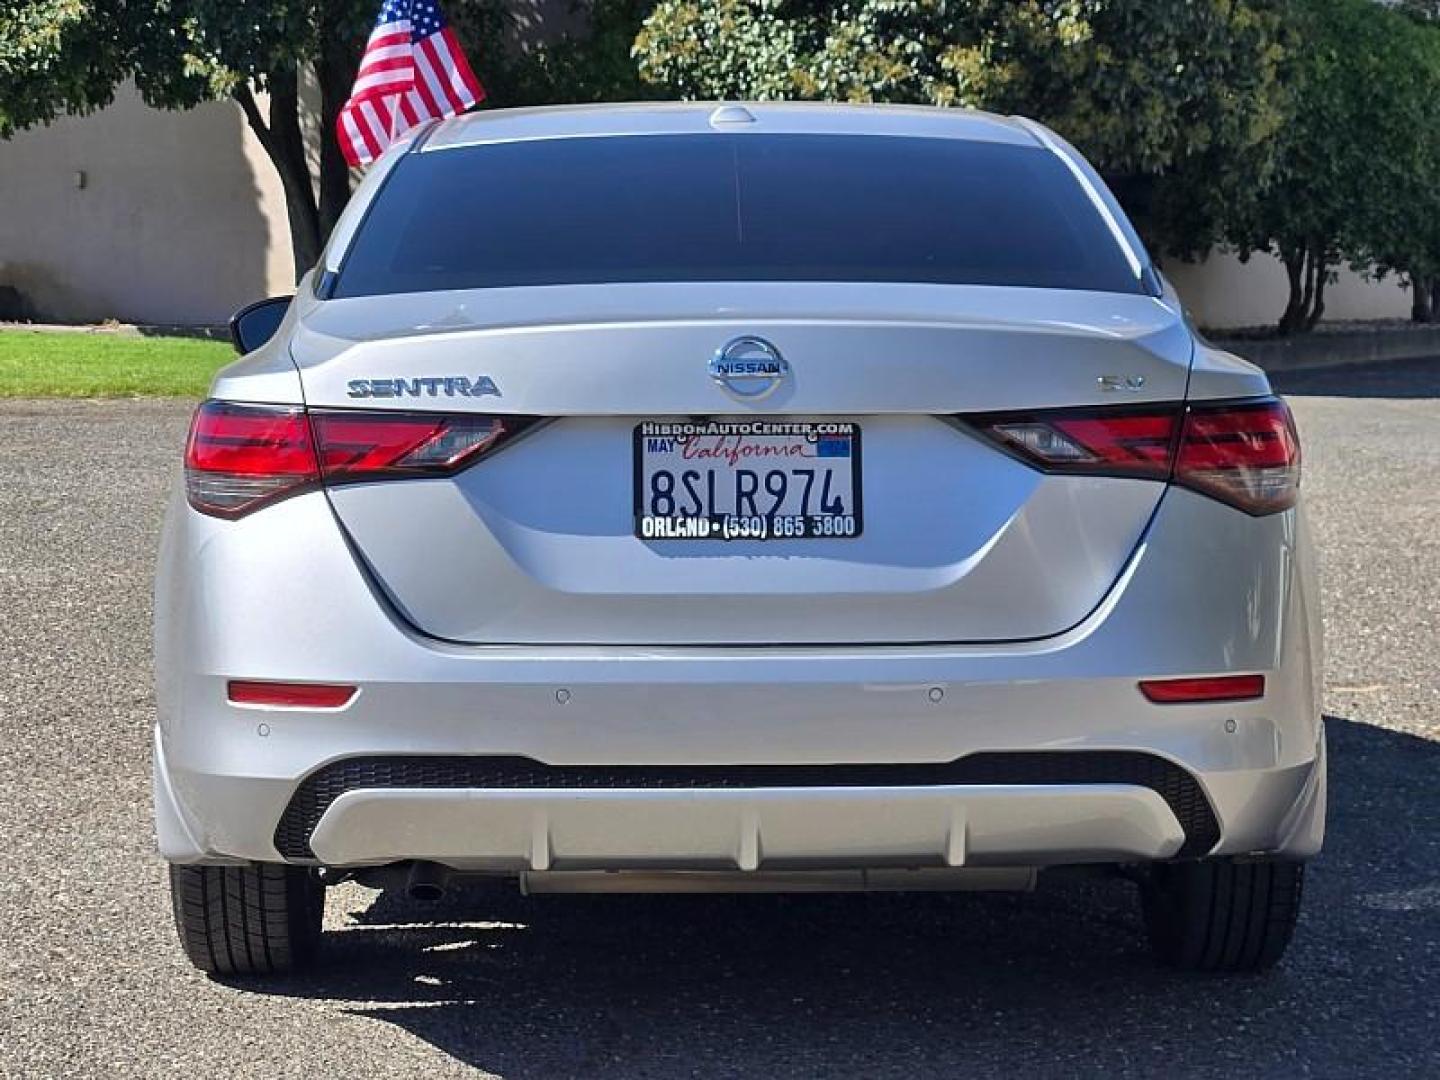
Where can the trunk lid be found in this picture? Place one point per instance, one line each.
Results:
(537, 543)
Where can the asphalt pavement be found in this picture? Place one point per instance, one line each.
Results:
(1056, 983)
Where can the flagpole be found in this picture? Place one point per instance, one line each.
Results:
(395, 99)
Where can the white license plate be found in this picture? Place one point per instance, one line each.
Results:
(747, 480)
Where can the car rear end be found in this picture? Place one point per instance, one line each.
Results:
(652, 499)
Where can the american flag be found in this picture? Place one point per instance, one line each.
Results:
(413, 70)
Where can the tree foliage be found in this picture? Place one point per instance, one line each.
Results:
(1357, 166)
(591, 65)
(1418, 261)
(56, 57)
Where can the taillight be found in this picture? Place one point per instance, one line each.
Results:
(1096, 442)
(1243, 453)
(373, 446)
(1246, 454)
(242, 457)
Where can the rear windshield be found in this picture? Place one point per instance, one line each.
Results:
(716, 207)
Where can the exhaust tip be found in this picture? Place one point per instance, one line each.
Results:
(426, 882)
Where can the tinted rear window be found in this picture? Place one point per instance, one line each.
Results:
(733, 208)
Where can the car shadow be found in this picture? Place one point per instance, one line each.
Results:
(1055, 982)
(1393, 379)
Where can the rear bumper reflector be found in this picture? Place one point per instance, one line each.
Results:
(286, 695)
(1218, 688)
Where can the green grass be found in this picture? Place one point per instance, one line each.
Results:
(83, 365)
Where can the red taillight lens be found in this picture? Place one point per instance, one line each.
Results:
(1102, 442)
(241, 457)
(373, 446)
(1218, 688)
(1245, 453)
(286, 695)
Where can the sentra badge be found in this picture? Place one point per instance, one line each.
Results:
(432, 386)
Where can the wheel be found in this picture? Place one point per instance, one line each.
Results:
(1222, 914)
(262, 919)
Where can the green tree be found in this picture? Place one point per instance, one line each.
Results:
(1423, 273)
(1159, 94)
(1354, 180)
(593, 64)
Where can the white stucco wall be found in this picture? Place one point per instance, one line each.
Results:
(180, 218)
(1224, 292)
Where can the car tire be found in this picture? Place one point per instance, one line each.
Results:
(262, 919)
(1222, 915)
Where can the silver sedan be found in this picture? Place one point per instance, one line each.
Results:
(766, 497)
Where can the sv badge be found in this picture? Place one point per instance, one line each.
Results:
(1118, 383)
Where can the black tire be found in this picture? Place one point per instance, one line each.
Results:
(1222, 915)
(262, 919)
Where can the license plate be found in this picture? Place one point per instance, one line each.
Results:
(747, 480)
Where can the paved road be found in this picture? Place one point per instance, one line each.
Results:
(1053, 984)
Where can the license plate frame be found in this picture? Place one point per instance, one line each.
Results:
(725, 448)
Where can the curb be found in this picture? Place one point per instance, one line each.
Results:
(1337, 349)
(126, 330)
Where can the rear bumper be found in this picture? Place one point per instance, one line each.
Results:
(816, 826)
(228, 776)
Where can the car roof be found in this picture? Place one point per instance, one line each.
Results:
(694, 118)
